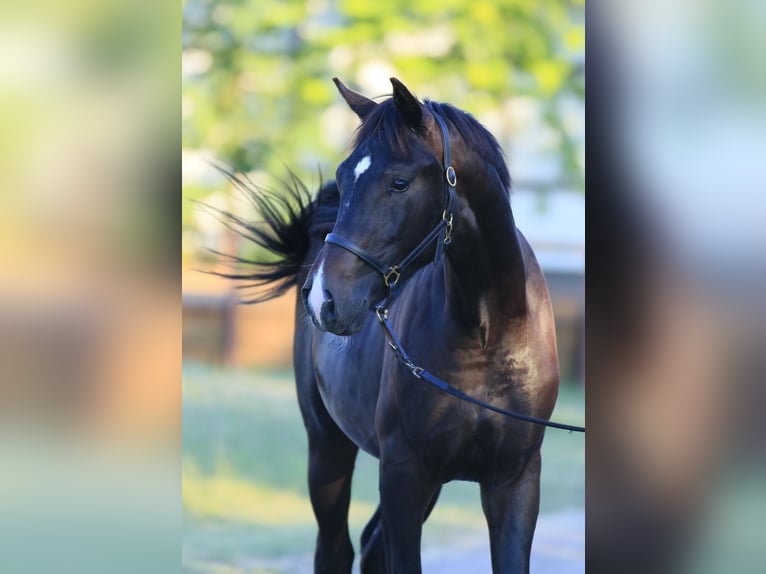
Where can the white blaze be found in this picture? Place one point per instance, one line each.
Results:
(361, 167)
(316, 295)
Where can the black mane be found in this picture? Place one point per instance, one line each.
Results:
(386, 123)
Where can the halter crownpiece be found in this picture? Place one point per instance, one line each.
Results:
(449, 171)
(450, 176)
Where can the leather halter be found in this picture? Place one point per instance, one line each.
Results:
(392, 273)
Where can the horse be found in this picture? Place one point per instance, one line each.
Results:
(425, 186)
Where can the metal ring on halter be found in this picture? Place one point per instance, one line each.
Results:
(451, 176)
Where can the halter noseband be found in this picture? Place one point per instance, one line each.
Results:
(392, 273)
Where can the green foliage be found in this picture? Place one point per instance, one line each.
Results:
(257, 73)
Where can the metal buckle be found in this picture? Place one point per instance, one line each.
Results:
(451, 176)
(393, 271)
(418, 372)
(381, 312)
(448, 228)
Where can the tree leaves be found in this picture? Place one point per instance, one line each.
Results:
(258, 101)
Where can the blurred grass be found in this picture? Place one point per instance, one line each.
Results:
(245, 498)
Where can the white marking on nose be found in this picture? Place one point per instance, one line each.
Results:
(361, 167)
(316, 295)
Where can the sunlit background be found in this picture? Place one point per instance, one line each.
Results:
(258, 96)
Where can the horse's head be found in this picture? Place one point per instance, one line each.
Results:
(392, 189)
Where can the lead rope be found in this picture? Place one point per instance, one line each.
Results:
(434, 381)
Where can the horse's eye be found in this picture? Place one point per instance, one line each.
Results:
(399, 184)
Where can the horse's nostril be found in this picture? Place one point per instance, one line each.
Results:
(327, 297)
(327, 312)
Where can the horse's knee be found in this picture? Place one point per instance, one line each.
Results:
(331, 465)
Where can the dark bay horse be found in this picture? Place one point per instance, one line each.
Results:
(470, 303)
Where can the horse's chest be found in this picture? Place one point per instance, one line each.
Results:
(457, 440)
(348, 382)
(462, 444)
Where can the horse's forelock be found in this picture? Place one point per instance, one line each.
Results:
(385, 124)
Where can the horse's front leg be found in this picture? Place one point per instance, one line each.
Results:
(406, 492)
(331, 464)
(373, 559)
(511, 508)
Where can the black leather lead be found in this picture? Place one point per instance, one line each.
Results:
(431, 379)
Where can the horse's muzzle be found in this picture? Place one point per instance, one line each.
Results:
(323, 310)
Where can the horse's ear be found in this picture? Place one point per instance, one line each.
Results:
(361, 105)
(407, 104)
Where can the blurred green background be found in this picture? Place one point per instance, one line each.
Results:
(257, 90)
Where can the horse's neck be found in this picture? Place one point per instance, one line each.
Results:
(485, 271)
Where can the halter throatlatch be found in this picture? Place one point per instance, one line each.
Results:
(393, 273)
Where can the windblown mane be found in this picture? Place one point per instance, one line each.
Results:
(386, 123)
